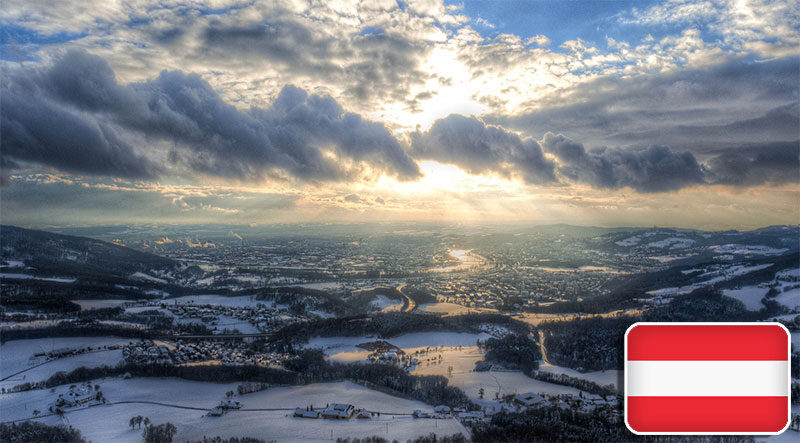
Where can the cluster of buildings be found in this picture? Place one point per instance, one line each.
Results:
(334, 411)
(261, 316)
(583, 402)
(77, 396)
(150, 352)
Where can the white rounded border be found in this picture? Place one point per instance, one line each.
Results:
(788, 378)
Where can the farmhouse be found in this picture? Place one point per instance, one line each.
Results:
(339, 410)
(529, 399)
(442, 409)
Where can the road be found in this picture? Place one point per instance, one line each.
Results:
(409, 305)
(542, 347)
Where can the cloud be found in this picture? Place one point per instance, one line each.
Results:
(368, 65)
(698, 110)
(353, 198)
(660, 169)
(479, 148)
(773, 163)
(768, 26)
(43, 200)
(654, 169)
(74, 116)
(36, 127)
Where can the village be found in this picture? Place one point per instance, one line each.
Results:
(159, 352)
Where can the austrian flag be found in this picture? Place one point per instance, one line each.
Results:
(707, 378)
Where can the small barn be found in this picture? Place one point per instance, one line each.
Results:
(302, 413)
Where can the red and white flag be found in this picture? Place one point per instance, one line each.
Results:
(707, 378)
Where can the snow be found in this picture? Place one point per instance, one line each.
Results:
(446, 308)
(602, 378)
(788, 274)
(749, 295)
(384, 303)
(504, 382)
(790, 298)
(227, 322)
(16, 356)
(13, 264)
(630, 241)
(33, 277)
(672, 242)
(721, 275)
(268, 425)
(747, 249)
(99, 303)
(143, 276)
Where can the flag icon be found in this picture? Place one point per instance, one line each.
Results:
(707, 378)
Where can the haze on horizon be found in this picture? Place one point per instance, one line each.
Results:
(670, 113)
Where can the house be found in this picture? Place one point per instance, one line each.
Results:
(216, 412)
(230, 404)
(363, 413)
(529, 399)
(442, 409)
(339, 410)
(419, 414)
(302, 413)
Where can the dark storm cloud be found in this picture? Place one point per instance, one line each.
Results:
(654, 169)
(75, 116)
(658, 168)
(37, 129)
(697, 110)
(370, 66)
(774, 163)
(478, 148)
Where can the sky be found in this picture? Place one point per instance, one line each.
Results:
(609, 113)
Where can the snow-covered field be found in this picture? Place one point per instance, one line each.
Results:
(226, 322)
(671, 242)
(749, 295)
(463, 376)
(16, 356)
(110, 422)
(386, 304)
(790, 298)
(443, 308)
(602, 378)
(722, 274)
(747, 249)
